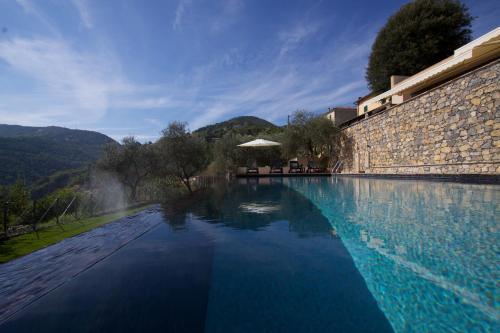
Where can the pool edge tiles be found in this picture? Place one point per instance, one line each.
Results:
(420, 247)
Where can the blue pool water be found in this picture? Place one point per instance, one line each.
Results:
(296, 255)
(428, 251)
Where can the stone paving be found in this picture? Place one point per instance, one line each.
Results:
(26, 279)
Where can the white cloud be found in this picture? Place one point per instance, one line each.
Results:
(155, 122)
(124, 102)
(29, 8)
(84, 12)
(228, 14)
(26, 5)
(68, 85)
(293, 38)
(277, 88)
(179, 14)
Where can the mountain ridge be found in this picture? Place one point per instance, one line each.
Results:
(243, 125)
(32, 153)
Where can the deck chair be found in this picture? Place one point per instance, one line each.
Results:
(312, 167)
(276, 166)
(295, 167)
(252, 168)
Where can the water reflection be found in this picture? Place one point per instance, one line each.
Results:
(427, 250)
(244, 258)
(238, 205)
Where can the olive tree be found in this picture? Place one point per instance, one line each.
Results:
(311, 135)
(131, 162)
(227, 155)
(181, 154)
(420, 34)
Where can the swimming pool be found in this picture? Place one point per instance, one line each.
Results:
(295, 255)
(428, 251)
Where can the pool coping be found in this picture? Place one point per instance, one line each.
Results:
(493, 179)
(293, 174)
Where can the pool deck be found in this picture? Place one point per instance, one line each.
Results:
(26, 279)
(297, 174)
(458, 178)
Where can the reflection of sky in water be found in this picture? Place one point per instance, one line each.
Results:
(427, 250)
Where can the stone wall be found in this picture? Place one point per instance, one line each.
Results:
(451, 129)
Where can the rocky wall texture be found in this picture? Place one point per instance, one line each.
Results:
(451, 129)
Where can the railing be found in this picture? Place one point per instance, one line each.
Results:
(31, 219)
(338, 166)
(207, 181)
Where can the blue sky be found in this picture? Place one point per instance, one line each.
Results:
(130, 67)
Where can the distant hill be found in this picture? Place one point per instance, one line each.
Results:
(245, 125)
(34, 153)
(57, 180)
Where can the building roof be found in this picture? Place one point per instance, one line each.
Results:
(365, 97)
(340, 108)
(482, 47)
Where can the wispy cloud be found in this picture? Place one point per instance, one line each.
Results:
(292, 39)
(64, 82)
(26, 5)
(68, 85)
(84, 12)
(229, 10)
(31, 9)
(335, 77)
(179, 14)
(155, 122)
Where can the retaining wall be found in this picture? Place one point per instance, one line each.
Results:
(451, 129)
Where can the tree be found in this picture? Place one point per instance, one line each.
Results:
(4, 193)
(296, 138)
(181, 153)
(311, 135)
(132, 162)
(419, 35)
(227, 155)
(19, 198)
(324, 136)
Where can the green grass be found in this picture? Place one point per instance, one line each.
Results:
(24, 244)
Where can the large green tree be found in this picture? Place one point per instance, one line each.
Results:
(420, 34)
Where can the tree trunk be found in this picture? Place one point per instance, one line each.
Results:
(185, 180)
(133, 193)
(188, 185)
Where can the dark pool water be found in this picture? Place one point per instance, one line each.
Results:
(243, 258)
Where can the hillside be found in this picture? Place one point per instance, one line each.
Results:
(245, 125)
(34, 153)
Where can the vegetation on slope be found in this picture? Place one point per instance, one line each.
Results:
(32, 153)
(52, 233)
(245, 125)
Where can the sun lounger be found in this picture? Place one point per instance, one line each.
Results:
(295, 167)
(312, 167)
(252, 168)
(276, 166)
